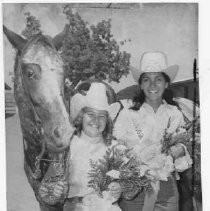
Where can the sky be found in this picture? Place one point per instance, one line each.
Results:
(171, 28)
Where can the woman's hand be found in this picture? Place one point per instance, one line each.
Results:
(115, 189)
(177, 151)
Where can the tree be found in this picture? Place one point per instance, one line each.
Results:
(32, 26)
(87, 51)
(91, 52)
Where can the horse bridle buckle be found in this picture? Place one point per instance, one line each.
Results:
(37, 173)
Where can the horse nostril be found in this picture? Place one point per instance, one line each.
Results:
(57, 132)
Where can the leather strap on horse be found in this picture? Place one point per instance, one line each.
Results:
(50, 178)
(37, 172)
(40, 132)
(57, 171)
(38, 121)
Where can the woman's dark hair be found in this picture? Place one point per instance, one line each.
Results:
(139, 98)
(106, 134)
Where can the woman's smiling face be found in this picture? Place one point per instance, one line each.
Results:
(94, 122)
(153, 84)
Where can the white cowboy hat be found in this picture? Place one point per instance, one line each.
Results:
(95, 98)
(155, 61)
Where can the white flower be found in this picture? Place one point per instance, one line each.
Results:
(143, 170)
(163, 175)
(114, 174)
(160, 167)
(121, 147)
(168, 168)
(181, 130)
(125, 160)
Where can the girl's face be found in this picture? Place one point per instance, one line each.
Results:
(153, 84)
(94, 122)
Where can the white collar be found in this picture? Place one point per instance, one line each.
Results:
(149, 108)
(89, 139)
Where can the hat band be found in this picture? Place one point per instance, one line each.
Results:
(97, 106)
(153, 68)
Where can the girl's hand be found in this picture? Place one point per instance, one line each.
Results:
(177, 151)
(43, 190)
(59, 189)
(115, 189)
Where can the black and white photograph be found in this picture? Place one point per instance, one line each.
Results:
(102, 106)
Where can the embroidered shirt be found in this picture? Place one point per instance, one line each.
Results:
(145, 124)
(143, 130)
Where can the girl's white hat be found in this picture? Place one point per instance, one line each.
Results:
(155, 61)
(95, 98)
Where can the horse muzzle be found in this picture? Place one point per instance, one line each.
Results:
(60, 138)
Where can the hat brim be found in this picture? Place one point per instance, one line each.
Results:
(171, 71)
(79, 101)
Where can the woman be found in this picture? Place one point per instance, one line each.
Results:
(91, 117)
(143, 124)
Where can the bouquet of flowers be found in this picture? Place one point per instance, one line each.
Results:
(155, 165)
(182, 135)
(121, 166)
(189, 135)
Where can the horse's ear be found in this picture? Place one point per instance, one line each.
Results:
(58, 39)
(16, 40)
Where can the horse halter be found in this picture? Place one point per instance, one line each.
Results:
(38, 128)
(38, 122)
(38, 125)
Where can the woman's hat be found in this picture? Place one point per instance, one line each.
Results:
(95, 98)
(155, 61)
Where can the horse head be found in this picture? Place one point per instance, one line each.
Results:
(39, 95)
(38, 88)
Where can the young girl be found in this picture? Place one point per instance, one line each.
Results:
(91, 117)
(142, 125)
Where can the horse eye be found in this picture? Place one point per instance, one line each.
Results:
(30, 73)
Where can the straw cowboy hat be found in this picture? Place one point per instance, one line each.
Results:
(95, 98)
(155, 61)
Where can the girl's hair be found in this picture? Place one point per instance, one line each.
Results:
(139, 98)
(106, 134)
